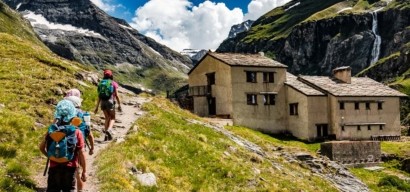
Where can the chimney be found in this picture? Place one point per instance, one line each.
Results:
(343, 74)
(262, 54)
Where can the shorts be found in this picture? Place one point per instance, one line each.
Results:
(61, 178)
(107, 105)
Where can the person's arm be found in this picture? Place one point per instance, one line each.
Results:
(118, 99)
(91, 139)
(98, 104)
(81, 154)
(42, 145)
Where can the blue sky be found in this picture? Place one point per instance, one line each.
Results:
(187, 24)
(129, 6)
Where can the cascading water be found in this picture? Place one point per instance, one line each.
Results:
(377, 40)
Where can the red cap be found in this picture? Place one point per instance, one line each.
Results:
(107, 73)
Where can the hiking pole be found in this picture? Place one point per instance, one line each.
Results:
(88, 145)
(45, 170)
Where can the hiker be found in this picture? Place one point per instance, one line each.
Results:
(107, 94)
(85, 130)
(63, 145)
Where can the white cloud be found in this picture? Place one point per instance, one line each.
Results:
(106, 5)
(179, 25)
(257, 8)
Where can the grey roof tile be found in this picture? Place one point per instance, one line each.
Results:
(292, 81)
(359, 86)
(236, 59)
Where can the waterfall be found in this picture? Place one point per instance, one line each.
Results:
(377, 40)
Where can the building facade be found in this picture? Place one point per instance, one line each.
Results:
(257, 92)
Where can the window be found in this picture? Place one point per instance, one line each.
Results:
(343, 128)
(269, 99)
(381, 127)
(358, 127)
(268, 77)
(367, 106)
(379, 105)
(252, 99)
(293, 107)
(251, 76)
(211, 78)
(341, 105)
(356, 105)
(369, 127)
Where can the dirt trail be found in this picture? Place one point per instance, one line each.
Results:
(124, 121)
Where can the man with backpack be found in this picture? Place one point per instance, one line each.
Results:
(84, 128)
(63, 145)
(107, 94)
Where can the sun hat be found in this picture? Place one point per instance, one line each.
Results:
(65, 111)
(107, 73)
(73, 92)
(75, 100)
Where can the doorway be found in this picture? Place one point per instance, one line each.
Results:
(322, 130)
(212, 106)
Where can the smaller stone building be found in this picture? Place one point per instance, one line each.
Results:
(258, 92)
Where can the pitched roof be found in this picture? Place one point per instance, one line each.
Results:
(293, 81)
(359, 86)
(236, 59)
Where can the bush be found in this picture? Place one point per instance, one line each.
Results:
(394, 181)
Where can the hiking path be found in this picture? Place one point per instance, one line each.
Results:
(124, 121)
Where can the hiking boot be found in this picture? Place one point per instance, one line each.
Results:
(109, 135)
(105, 135)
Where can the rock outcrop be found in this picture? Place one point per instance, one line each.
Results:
(314, 45)
(79, 30)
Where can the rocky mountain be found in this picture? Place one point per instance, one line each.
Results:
(239, 28)
(194, 54)
(79, 30)
(315, 36)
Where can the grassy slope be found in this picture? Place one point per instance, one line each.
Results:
(29, 75)
(190, 157)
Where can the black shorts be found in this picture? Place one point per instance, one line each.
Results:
(107, 105)
(61, 178)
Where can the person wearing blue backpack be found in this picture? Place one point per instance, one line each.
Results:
(107, 94)
(63, 146)
(85, 130)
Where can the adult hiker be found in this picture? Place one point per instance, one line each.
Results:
(85, 130)
(107, 94)
(63, 145)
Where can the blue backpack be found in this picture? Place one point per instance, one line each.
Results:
(61, 143)
(105, 89)
(85, 129)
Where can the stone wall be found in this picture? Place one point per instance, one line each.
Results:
(352, 152)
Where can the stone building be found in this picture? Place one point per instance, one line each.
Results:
(259, 93)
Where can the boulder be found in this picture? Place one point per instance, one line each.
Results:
(147, 179)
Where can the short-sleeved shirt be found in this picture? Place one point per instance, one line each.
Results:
(79, 147)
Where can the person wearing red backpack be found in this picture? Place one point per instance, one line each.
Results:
(107, 94)
(61, 175)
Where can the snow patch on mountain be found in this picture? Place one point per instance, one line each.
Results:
(239, 28)
(40, 21)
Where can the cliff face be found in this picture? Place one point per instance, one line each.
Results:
(98, 39)
(316, 45)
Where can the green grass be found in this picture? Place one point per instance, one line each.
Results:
(269, 141)
(278, 23)
(401, 149)
(30, 75)
(373, 179)
(191, 157)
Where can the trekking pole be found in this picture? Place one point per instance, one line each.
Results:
(45, 170)
(88, 145)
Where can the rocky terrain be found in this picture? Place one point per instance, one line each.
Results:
(313, 38)
(79, 30)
